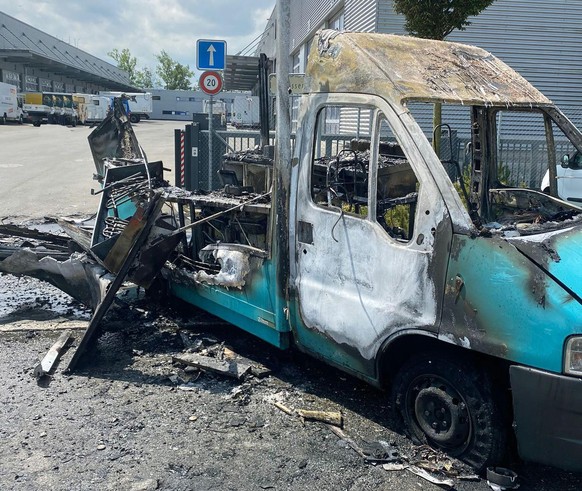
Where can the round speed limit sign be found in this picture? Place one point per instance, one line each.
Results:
(210, 83)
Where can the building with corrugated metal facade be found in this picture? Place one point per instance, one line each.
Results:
(539, 39)
(35, 61)
(180, 105)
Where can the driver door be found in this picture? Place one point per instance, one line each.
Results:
(371, 233)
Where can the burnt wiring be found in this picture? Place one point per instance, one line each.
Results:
(341, 215)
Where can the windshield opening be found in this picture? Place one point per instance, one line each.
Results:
(514, 168)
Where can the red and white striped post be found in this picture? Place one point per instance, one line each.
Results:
(179, 158)
(182, 161)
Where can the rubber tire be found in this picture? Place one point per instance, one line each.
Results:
(3, 119)
(485, 444)
(134, 118)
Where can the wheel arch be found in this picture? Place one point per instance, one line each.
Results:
(397, 349)
(399, 356)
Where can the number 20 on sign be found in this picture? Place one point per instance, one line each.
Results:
(210, 82)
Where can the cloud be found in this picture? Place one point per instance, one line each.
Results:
(145, 27)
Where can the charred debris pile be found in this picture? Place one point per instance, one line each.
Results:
(144, 228)
(144, 225)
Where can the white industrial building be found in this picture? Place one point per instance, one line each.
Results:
(182, 104)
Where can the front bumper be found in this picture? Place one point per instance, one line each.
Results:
(547, 417)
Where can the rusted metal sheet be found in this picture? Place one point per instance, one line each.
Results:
(114, 138)
(79, 276)
(402, 68)
(150, 213)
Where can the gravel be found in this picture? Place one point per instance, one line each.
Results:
(129, 418)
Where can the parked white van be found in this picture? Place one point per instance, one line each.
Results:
(10, 108)
(569, 179)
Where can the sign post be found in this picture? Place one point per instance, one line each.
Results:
(210, 55)
(210, 141)
(210, 83)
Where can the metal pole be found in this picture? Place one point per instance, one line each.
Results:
(178, 157)
(210, 131)
(282, 166)
(283, 126)
(264, 98)
(188, 158)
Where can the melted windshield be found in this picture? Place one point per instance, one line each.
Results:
(506, 164)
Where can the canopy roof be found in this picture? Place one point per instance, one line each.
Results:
(402, 68)
(241, 72)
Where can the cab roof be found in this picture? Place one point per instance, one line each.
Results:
(404, 68)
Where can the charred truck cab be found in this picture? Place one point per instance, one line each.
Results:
(452, 284)
(459, 292)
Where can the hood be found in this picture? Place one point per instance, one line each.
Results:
(559, 253)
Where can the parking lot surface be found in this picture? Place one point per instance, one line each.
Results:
(130, 418)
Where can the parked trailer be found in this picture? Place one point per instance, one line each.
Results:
(50, 107)
(10, 105)
(245, 112)
(140, 104)
(91, 108)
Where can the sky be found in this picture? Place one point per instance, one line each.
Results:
(145, 27)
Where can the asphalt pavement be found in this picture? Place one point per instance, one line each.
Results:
(47, 171)
(131, 419)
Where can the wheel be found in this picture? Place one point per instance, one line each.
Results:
(448, 403)
(3, 119)
(134, 118)
(36, 123)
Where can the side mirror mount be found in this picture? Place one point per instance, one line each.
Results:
(565, 161)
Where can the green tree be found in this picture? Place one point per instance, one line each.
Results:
(145, 79)
(174, 75)
(125, 61)
(436, 19)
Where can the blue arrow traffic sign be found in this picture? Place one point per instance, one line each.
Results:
(210, 54)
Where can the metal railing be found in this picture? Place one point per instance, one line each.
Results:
(523, 163)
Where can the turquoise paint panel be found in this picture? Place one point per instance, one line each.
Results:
(339, 355)
(507, 306)
(124, 210)
(568, 269)
(250, 309)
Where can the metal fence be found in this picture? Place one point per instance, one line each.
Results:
(522, 163)
(203, 173)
